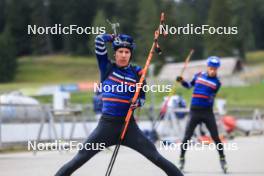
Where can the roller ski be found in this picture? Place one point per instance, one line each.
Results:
(182, 162)
(223, 164)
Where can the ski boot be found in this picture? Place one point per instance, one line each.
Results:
(182, 162)
(223, 164)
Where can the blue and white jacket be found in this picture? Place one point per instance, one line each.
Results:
(205, 89)
(115, 102)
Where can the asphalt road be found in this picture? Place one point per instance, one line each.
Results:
(247, 160)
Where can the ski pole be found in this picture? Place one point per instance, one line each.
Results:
(154, 47)
(172, 92)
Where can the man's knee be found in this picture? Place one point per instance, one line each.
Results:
(186, 138)
(216, 139)
(154, 157)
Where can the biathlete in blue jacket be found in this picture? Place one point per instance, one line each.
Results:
(206, 85)
(115, 107)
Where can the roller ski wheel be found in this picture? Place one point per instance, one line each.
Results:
(223, 165)
(182, 162)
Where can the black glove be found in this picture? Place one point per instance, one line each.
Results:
(179, 78)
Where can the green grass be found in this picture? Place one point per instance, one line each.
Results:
(7, 87)
(255, 57)
(36, 71)
(54, 69)
(78, 97)
(255, 60)
(250, 96)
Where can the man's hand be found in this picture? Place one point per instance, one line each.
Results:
(134, 105)
(108, 37)
(179, 78)
(113, 37)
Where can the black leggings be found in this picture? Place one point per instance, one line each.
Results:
(108, 131)
(197, 116)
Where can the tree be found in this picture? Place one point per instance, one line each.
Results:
(183, 13)
(99, 21)
(2, 15)
(78, 13)
(41, 43)
(241, 17)
(126, 14)
(56, 17)
(7, 57)
(219, 16)
(258, 24)
(147, 21)
(123, 12)
(17, 17)
(179, 14)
